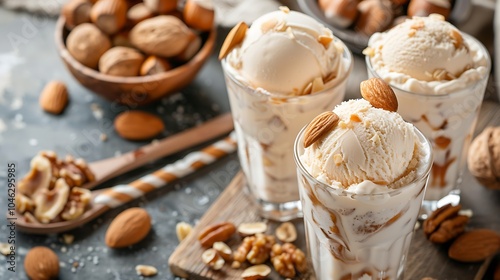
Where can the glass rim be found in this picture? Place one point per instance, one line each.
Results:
(441, 95)
(428, 158)
(346, 51)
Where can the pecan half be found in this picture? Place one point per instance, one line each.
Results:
(445, 223)
(217, 232)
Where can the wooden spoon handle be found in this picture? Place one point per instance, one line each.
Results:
(112, 167)
(121, 194)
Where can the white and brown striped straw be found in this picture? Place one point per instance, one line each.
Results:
(193, 161)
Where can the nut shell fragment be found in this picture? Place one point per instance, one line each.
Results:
(256, 272)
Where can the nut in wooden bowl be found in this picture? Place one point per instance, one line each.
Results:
(137, 90)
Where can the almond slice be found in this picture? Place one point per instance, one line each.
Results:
(286, 232)
(379, 94)
(235, 36)
(457, 38)
(247, 229)
(256, 272)
(319, 126)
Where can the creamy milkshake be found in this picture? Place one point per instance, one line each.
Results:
(287, 69)
(361, 184)
(439, 75)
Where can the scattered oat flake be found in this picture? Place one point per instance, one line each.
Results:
(466, 212)
(68, 238)
(417, 226)
(146, 270)
(103, 137)
(4, 249)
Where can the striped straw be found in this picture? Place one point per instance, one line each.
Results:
(193, 161)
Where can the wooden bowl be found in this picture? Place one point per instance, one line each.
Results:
(133, 90)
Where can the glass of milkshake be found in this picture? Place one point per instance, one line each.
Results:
(361, 183)
(439, 75)
(287, 69)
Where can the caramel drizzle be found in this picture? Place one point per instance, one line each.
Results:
(435, 128)
(439, 173)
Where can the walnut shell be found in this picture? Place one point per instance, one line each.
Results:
(86, 43)
(165, 36)
(121, 61)
(484, 157)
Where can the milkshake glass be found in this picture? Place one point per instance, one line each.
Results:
(266, 126)
(360, 236)
(446, 112)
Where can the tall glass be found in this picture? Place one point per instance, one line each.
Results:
(448, 121)
(266, 126)
(360, 236)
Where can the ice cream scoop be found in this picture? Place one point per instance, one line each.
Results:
(284, 51)
(426, 55)
(368, 147)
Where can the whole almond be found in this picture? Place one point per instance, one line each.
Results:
(86, 43)
(165, 36)
(138, 125)
(121, 61)
(54, 97)
(379, 94)
(76, 12)
(475, 246)
(234, 38)
(109, 15)
(319, 126)
(128, 228)
(41, 263)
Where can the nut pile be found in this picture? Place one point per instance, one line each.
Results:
(256, 248)
(121, 39)
(51, 191)
(446, 224)
(370, 16)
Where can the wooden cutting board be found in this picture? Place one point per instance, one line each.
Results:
(234, 204)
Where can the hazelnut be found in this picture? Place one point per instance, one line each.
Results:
(165, 36)
(153, 65)
(138, 13)
(86, 43)
(374, 16)
(76, 12)
(341, 13)
(121, 61)
(427, 7)
(41, 263)
(191, 50)
(484, 157)
(161, 6)
(121, 39)
(109, 15)
(199, 14)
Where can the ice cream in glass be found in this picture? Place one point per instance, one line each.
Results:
(439, 75)
(280, 73)
(362, 176)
